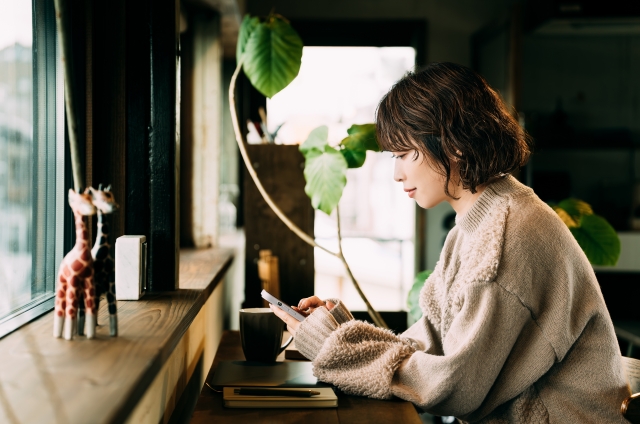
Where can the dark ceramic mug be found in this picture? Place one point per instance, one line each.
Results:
(261, 333)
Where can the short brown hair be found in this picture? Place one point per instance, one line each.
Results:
(448, 111)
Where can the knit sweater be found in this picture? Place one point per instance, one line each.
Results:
(514, 326)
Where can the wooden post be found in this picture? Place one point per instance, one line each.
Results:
(107, 87)
(138, 81)
(164, 152)
(280, 169)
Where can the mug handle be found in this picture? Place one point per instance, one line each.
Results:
(284, 346)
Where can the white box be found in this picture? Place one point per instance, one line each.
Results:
(131, 267)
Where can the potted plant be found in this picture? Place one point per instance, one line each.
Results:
(270, 53)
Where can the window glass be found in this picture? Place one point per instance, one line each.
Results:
(30, 158)
(339, 87)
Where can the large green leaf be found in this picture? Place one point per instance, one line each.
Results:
(317, 140)
(576, 208)
(354, 158)
(246, 28)
(565, 217)
(362, 137)
(598, 240)
(272, 56)
(354, 147)
(414, 295)
(325, 172)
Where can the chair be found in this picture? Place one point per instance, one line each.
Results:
(630, 408)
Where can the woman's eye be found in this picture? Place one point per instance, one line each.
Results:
(397, 156)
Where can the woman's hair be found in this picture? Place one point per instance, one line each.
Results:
(448, 112)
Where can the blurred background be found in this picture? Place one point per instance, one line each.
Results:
(568, 69)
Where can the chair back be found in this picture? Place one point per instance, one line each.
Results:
(631, 368)
(631, 406)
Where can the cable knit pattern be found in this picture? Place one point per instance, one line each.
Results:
(515, 329)
(482, 254)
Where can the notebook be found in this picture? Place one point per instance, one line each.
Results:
(292, 353)
(326, 399)
(259, 374)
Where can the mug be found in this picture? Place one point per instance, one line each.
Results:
(261, 333)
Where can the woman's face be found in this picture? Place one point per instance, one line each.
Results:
(419, 178)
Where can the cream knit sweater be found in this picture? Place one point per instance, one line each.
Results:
(514, 327)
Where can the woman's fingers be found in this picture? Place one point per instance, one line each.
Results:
(300, 311)
(292, 323)
(310, 302)
(307, 305)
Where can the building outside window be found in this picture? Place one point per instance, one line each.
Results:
(31, 161)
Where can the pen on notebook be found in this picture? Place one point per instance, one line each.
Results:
(275, 392)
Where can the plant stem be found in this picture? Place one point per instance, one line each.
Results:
(254, 176)
(375, 316)
(67, 63)
(293, 227)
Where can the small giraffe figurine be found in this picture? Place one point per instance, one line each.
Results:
(103, 264)
(76, 274)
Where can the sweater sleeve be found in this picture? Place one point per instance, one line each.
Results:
(451, 379)
(339, 311)
(315, 329)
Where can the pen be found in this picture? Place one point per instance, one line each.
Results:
(275, 392)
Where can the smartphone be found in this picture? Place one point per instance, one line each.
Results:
(280, 304)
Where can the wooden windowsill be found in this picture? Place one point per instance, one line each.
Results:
(45, 379)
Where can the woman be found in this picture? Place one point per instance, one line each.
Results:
(514, 326)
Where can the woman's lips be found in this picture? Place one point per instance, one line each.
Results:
(410, 192)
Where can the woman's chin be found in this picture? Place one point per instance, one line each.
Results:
(427, 203)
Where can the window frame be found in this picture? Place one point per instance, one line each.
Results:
(48, 173)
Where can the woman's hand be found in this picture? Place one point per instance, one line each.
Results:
(306, 306)
(292, 323)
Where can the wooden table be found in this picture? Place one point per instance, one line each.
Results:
(351, 409)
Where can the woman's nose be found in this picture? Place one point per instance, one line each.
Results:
(397, 171)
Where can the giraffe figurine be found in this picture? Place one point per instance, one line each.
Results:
(75, 275)
(103, 263)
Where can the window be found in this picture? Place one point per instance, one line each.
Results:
(31, 161)
(339, 87)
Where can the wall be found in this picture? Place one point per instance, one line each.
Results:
(593, 78)
(201, 130)
(450, 24)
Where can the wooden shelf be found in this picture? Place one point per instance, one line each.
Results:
(44, 379)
